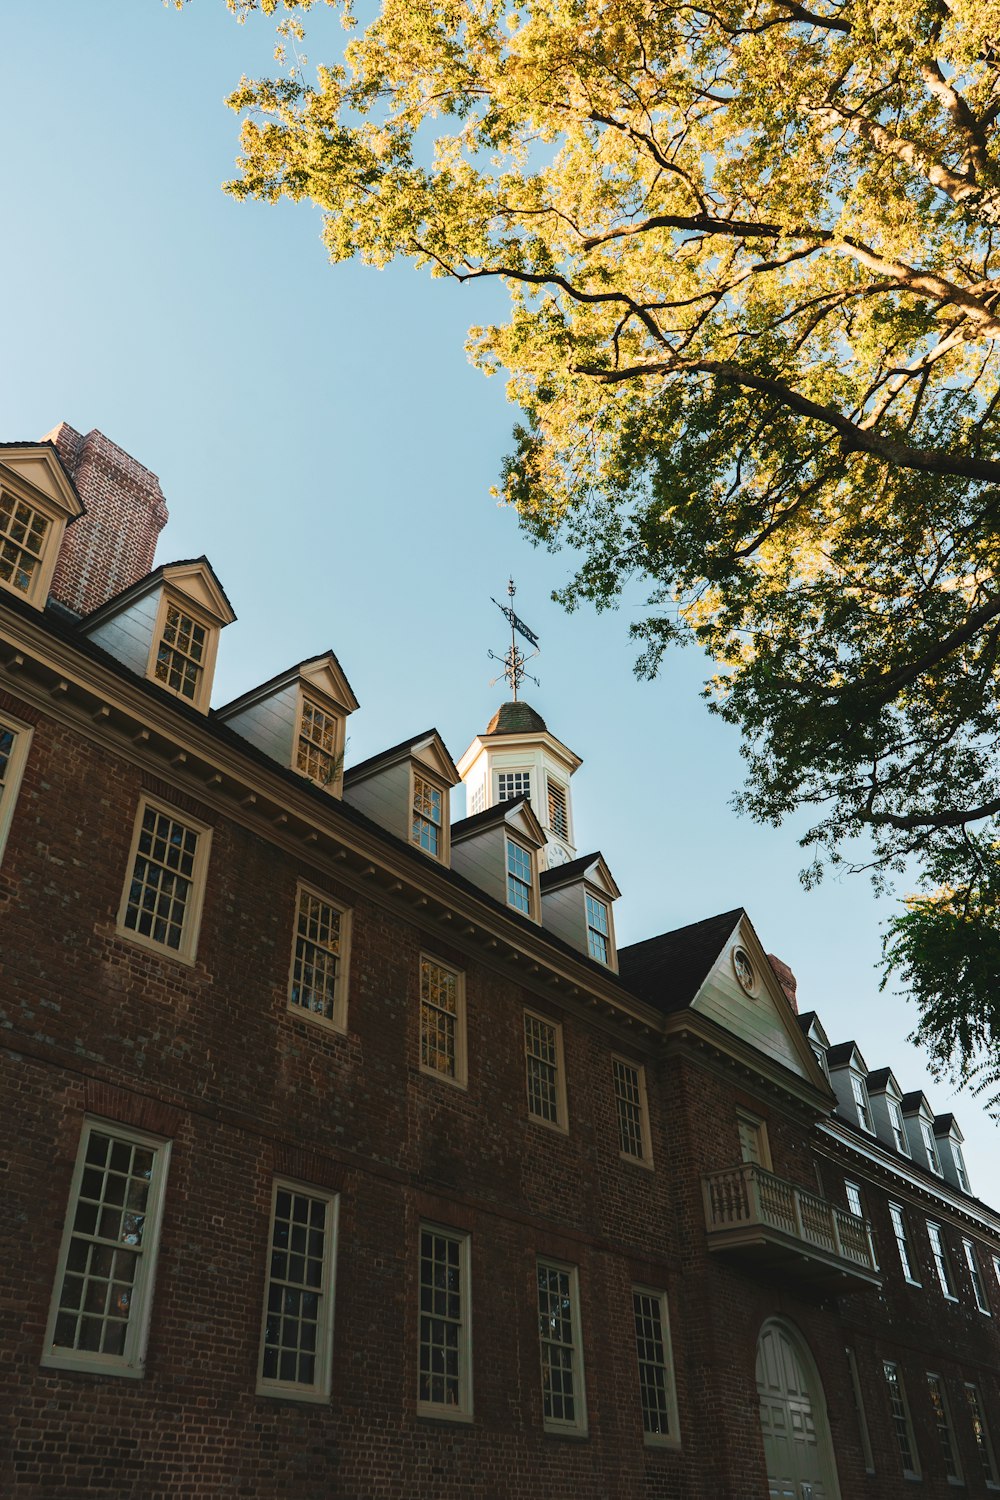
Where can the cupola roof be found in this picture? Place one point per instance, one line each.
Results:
(516, 718)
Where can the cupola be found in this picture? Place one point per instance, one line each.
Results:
(516, 756)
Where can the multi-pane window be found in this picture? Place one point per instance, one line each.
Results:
(22, 540)
(519, 877)
(753, 1140)
(100, 1309)
(442, 1020)
(859, 1412)
(861, 1100)
(902, 1425)
(426, 825)
(478, 801)
(996, 1268)
(978, 1289)
(853, 1194)
(960, 1172)
(558, 811)
(942, 1422)
(14, 740)
(513, 784)
(598, 929)
(543, 1061)
(657, 1396)
(898, 1128)
(162, 897)
(930, 1146)
(444, 1378)
(902, 1242)
(563, 1402)
(942, 1263)
(981, 1433)
(319, 959)
(297, 1326)
(630, 1100)
(180, 653)
(316, 754)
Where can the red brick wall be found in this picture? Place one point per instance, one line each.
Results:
(112, 545)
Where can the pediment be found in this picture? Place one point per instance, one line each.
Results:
(39, 466)
(522, 822)
(432, 753)
(760, 1016)
(324, 674)
(197, 582)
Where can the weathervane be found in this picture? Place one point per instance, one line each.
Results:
(513, 662)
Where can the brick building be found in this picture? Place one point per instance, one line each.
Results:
(345, 1154)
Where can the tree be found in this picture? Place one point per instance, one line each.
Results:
(751, 250)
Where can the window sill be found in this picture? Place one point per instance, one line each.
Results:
(554, 1125)
(453, 1083)
(150, 945)
(646, 1162)
(444, 1414)
(289, 1393)
(574, 1435)
(96, 1365)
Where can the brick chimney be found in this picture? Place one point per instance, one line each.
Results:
(112, 546)
(786, 979)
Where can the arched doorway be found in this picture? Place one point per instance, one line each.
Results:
(797, 1446)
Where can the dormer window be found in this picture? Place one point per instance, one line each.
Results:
(22, 540)
(318, 753)
(898, 1129)
(520, 878)
(513, 784)
(960, 1172)
(861, 1100)
(427, 824)
(930, 1147)
(598, 929)
(180, 653)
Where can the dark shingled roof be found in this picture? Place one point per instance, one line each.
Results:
(943, 1123)
(393, 750)
(668, 971)
(840, 1053)
(912, 1101)
(516, 718)
(805, 1019)
(495, 814)
(569, 871)
(878, 1079)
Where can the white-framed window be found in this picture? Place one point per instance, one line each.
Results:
(564, 1405)
(859, 1411)
(296, 1337)
(183, 654)
(558, 808)
(165, 886)
(317, 984)
(23, 530)
(633, 1115)
(981, 1433)
(657, 1390)
(900, 1412)
(853, 1195)
(598, 929)
(520, 877)
(103, 1289)
(996, 1268)
(544, 1074)
(930, 1146)
(978, 1289)
(427, 828)
(754, 1147)
(960, 1172)
(898, 1128)
(942, 1423)
(513, 784)
(861, 1101)
(899, 1229)
(942, 1261)
(444, 1335)
(442, 1020)
(319, 753)
(477, 803)
(15, 738)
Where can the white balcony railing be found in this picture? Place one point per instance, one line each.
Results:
(747, 1198)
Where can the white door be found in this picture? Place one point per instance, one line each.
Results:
(797, 1453)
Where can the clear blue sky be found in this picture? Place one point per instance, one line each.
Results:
(319, 433)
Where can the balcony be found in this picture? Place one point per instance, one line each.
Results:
(781, 1229)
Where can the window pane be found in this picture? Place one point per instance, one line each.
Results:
(439, 1001)
(654, 1369)
(541, 1053)
(296, 1292)
(628, 1098)
(442, 1342)
(316, 959)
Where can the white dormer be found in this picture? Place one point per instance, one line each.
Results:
(576, 906)
(918, 1117)
(166, 628)
(299, 719)
(406, 790)
(514, 757)
(949, 1145)
(887, 1109)
(848, 1075)
(37, 502)
(498, 850)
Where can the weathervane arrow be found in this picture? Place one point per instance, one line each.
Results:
(513, 662)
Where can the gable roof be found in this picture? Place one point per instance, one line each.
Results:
(500, 812)
(429, 740)
(668, 971)
(160, 575)
(592, 866)
(302, 670)
(841, 1054)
